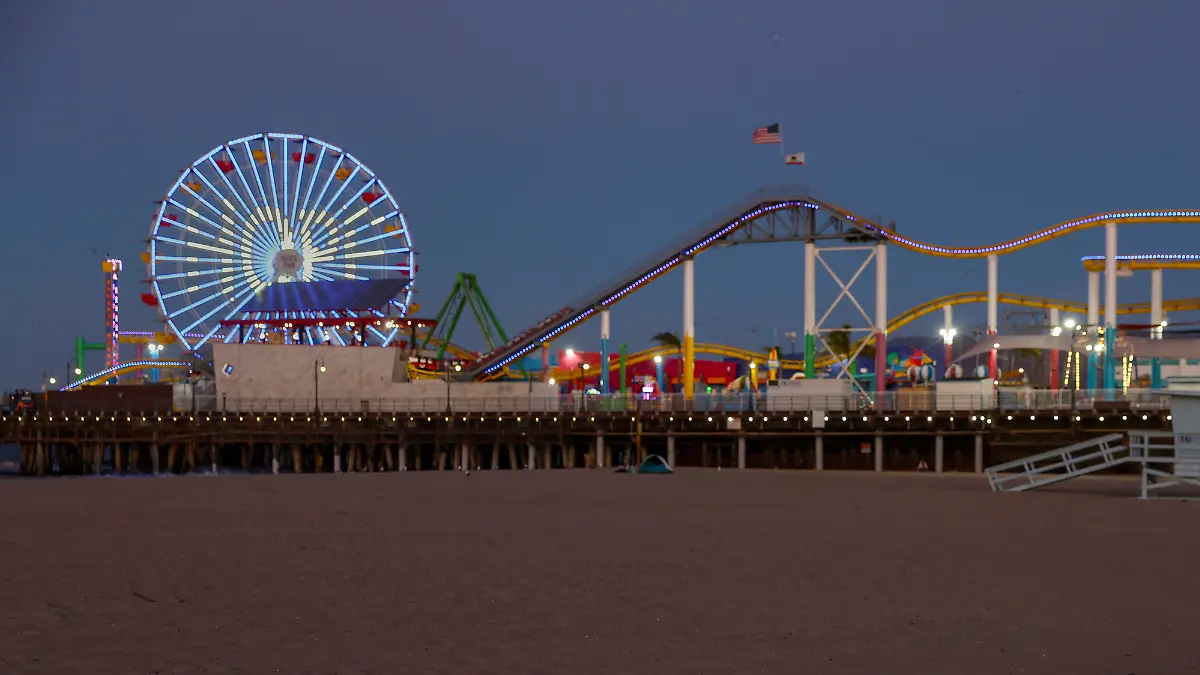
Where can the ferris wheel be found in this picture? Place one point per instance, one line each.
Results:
(266, 209)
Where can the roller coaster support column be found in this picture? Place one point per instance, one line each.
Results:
(881, 322)
(993, 311)
(1110, 305)
(1156, 318)
(810, 310)
(689, 327)
(1055, 330)
(604, 327)
(1093, 323)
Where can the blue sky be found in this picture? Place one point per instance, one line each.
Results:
(546, 146)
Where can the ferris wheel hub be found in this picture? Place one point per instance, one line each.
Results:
(288, 264)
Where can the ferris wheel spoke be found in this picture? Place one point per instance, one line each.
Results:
(368, 254)
(278, 215)
(322, 276)
(299, 182)
(192, 289)
(252, 163)
(366, 186)
(350, 201)
(316, 211)
(283, 175)
(377, 237)
(196, 196)
(232, 333)
(378, 268)
(255, 220)
(203, 219)
(233, 190)
(198, 273)
(249, 222)
(191, 259)
(245, 291)
(264, 212)
(209, 298)
(312, 182)
(270, 164)
(343, 274)
(348, 241)
(203, 247)
(242, 219)
(337, 195)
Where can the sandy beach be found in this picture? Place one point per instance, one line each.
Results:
(592, 572)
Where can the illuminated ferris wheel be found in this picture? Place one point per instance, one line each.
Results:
(266, 209)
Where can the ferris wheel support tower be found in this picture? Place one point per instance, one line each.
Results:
(112, 322)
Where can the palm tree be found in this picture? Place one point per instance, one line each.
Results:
(667, 340)
(841, 347)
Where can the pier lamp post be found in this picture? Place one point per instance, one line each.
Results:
(155, 353)
(318, 368)
(45, 391)
(457, 368)
(947, 340)
(583, 368)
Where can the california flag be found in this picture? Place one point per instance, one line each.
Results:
(797, 158)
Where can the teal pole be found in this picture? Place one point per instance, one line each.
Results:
(810, 353)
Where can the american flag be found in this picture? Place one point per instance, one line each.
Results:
(767, 135)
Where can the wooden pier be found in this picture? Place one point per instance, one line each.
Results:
(122, 443)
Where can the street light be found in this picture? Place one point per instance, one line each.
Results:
(457, 368)
(318, 368)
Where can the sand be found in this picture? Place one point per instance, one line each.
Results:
(591, 572)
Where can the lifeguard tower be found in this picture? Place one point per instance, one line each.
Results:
(1167, 458)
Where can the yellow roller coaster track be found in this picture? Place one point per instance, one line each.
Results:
(1146, 262)
(895, 324)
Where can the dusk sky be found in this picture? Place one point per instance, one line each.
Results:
(547, 146)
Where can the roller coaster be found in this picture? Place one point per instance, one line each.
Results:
(895, 324)
(790, 214)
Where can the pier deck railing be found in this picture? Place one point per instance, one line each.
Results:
(904, 402)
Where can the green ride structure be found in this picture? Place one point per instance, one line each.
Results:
(466, 293)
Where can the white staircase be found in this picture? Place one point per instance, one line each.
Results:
(1058, 465)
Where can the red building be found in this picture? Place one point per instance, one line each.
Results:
(707, 372)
